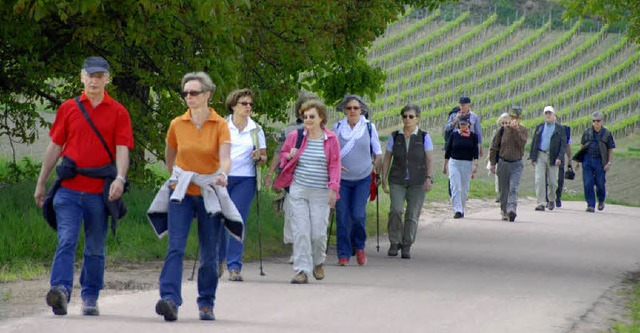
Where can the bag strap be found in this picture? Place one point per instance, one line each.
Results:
(86, 115)
(299, 138)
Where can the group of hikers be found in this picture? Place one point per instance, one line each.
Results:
(214, 166)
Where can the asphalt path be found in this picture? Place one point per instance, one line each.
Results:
(544, 273)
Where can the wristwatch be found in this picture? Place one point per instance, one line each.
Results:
(429, 177)
(122, 179)
(224, 175)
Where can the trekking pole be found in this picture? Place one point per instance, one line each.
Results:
(332, 216)
(193, 271)
(377, 214)
(259, 223)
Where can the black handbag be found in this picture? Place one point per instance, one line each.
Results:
(570, 174)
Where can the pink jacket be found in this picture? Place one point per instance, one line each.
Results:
(331, 151)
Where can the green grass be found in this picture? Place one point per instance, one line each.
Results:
(632, 325)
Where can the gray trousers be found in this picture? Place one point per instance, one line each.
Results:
(509, 175)
(399, 232)
(545, 173)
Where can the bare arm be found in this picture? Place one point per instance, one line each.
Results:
(385, 171)
(225, 163)
(116, 188)
(51, 156)
(427, 184)
(170, 158)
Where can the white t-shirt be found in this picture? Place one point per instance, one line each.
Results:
(241, 146)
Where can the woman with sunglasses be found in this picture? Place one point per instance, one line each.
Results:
(410, 175)
(198, 142)
(312, 174)
(460, 163)
(248, 150)
(358, 145)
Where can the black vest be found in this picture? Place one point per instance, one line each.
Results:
(413, 161)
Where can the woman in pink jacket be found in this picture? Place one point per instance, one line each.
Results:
(312, 174)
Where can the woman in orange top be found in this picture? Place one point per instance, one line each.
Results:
(197, 141)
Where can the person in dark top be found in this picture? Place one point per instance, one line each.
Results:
(461, 164)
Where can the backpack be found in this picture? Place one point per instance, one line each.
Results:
(447, 132)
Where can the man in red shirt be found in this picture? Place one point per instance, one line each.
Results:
(83, 192)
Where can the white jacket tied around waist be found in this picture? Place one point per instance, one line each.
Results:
(216, 201)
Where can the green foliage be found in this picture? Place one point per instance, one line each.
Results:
(611, 11)
(13, 172)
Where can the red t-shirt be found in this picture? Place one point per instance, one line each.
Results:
(80, 143)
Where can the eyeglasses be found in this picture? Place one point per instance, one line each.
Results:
(352, 108)
(410, 116)
(311, 116)
(245, 104)
(191, 92)
(596, 120)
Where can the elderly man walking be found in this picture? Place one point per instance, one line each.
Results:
(547, 152)
(93, 135)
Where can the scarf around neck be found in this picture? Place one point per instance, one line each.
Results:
(350, 135)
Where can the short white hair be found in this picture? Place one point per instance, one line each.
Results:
(502, 116)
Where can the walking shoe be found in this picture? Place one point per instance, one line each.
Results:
(343, 261)
(601, 205)
(540, 208)
(206, 313)
(497, 199)
(290, 261)
(551, 205)
(90, 307)
(300, 278)
(167, 308)
(590, 210)
(57, 299)
(393, 250)
(234, 275)
(457, 215)
(318, 272)
(505, 217)
(221, 267)
(558, 203)
(512, 216)
(406, 252)
(361, 257)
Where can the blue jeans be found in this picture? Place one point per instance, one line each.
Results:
(351, 215)
(593, 175)
(73, 207)
(241, 190)
(180, 216)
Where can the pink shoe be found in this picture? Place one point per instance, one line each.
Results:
(343, 261)
(361, 257)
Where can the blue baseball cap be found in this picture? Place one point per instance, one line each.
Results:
(95, 65)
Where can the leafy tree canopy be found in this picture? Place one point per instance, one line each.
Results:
(611, 11)
(266, 45)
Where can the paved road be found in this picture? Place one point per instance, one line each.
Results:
(478, 274)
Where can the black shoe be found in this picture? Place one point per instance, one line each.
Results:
(600, 205)
(57, 299)
(458, 215)
(90, 307)
(167, 308)
(551, 205)
(590, 210)
(206, 313)
(393, 250)
(406, 252)
(512, 216)
(540, 208)
(558, 203)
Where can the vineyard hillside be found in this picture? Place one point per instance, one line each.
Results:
(431, 58)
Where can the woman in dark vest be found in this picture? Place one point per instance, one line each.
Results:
(407, 167)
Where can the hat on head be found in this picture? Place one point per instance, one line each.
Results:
(465, 100)
(548, 108)
(516, 111)
(502, 116)
(95, 65)
(463, 121)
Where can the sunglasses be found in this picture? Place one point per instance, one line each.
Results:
(191, 92)
(410, 116)
(596, 120)
(245, 104)
(310, 116)
(352, 108)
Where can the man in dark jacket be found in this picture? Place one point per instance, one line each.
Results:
(546, 155)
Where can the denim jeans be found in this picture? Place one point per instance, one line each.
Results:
(180, 216)
(73, 207)
(399, 232)
(351, 215)
(241, 190)
(593, 175)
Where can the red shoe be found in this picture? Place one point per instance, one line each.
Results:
(361, 257)
(343, 261)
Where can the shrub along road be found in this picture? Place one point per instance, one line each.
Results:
(548, 272)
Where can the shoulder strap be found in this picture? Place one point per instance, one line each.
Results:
(300, 137)
(86, 115)
(370, 139)
(254, 136)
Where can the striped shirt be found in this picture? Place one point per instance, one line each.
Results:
(311, 170)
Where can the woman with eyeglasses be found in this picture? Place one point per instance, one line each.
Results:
(460, 163)
(198, 147)
(408, 167)
(312, 173)
(359, 147)
(248, 151)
